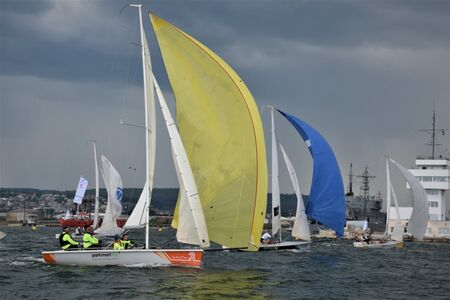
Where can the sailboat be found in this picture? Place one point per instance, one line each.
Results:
(419, 217)
(326, 202)
(221, 198)
(300, 230)
(82, 219)
(2, 235)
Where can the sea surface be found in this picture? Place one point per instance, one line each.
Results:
(330, 270)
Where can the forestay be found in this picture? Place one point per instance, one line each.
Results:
(138, 218)
(222, 133)
(326, 198)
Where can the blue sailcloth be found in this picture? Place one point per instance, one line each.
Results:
(326, 198)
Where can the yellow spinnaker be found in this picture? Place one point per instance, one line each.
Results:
(222, 132)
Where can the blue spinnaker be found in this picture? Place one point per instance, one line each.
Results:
(326, 198)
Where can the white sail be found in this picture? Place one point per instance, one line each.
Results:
(397, 232)
(300, 229)
(97, 193)
(185, 177)
(186, 232)
(417, 225)
(388, 196)
(394, 196)
(276, 210)
(114, 187)
(137, 219)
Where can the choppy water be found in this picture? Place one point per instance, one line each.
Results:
(331, 270)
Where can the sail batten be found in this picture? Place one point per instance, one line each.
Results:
(326, 199)
(222, 132)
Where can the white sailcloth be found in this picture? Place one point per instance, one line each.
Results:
(300, 229)
(150, 124)
(138, 218)
(113, 183)
(276, 211)
(397, 232)
(417, 225)
(191, 211)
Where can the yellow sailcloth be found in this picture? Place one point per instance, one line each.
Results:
(222, 132)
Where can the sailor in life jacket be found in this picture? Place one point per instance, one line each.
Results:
(126, 243)
(65, 240)
(118, 243)
(88, 240)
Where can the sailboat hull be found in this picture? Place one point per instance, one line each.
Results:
(134, 257)
(389, 244)
(285, 245)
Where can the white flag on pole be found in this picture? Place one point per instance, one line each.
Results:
(81, 189)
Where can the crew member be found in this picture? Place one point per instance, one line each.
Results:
(65, 240)
(118, 243)
(88, 240)
(127, 244)
(265, 239)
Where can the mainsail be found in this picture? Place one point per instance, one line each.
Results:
(222, 132)
(114, 187)
(300, 229)
(276, 207)
(417, 225)
(326, 198)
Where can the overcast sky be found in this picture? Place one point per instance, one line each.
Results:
(366, 74)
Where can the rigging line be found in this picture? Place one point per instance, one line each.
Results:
(132, 188)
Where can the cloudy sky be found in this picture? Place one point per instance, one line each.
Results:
(366, 74)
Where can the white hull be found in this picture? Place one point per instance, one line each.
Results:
(284, 245)
(133, 257)
(2, 235)
(389, 244)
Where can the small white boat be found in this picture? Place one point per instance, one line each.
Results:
(2, 235)
(133, 257)
(285, 245)
(379, 245)
(419, 218)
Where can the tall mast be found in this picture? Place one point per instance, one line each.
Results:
(350, 182)
(147, 154)
(433, 143)
(96, 212)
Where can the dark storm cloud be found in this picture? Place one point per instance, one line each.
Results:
(364, 73)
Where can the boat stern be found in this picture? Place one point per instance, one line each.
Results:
(183, 258)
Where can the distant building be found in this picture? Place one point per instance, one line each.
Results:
(26, 216)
